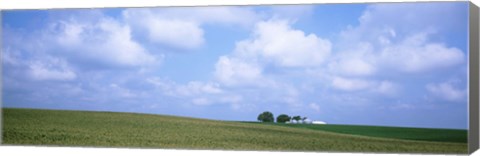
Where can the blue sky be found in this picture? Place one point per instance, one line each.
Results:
(393, 64)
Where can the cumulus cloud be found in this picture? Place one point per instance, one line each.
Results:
(182, 27)
(388, 41)
(415, 54)
(357, 67)
(350, 84)
(422, 17)
(121, 91)
(352, 67)
(197, 87)
(400, 41)
(314, 106)
(105, 40)
(387, 88)
(96, 42)
(383, 23)
(447, 91)
(383, 87)
(201, 101)
(278, 66)
(172, 32)
(233, 71)
(278, 42)
(196, 92)
(272, 43)
(54, 70)
(191, 88)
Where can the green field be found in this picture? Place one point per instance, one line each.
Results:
(106, 129)
(421, 134)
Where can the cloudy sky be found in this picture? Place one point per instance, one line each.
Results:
(395, 64)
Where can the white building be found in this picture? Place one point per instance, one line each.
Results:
(305, 121)
(318, 122)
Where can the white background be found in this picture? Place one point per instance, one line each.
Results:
(82, 151)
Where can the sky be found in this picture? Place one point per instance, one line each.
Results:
(389, 64)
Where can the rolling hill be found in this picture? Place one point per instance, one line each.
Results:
(109, 129)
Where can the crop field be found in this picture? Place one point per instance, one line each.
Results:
(107, 129)
(423, 134)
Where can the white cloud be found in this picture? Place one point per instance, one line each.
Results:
(384, 87)
(415, 54)
(190, 89)
(182, 27)
(389, 40)
(386, 22)
(314, 106)
(69, 34)
(422, 17)
(232, 71)
(276, 41)
(387, 88)
(447, 91)
(290, 96)
(54, 69)
(292, 101)
(197, 87)
(196, 92)
(400, 106)
(11, 57)
(160, 83)
(350, 84)
(358, 61)
(352, 67)
(273, 42)
(115, 89)
(201, 101)
(232, 99)
(39, 72)
(404, 41)
(267, 68)
(104, 40)
(173, 32)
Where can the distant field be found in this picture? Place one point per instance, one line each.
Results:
(422, 134)
(106, 129)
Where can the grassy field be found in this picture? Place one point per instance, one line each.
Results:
(421, 134)
(106, 129)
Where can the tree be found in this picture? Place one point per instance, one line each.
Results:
(282, 118)
(297, 118)
(265, 117)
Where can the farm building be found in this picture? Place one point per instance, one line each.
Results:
(305, 121)
(319, 122)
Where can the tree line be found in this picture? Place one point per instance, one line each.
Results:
(282, 118)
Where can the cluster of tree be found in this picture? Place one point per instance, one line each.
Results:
(282, 118)
(265, 117)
